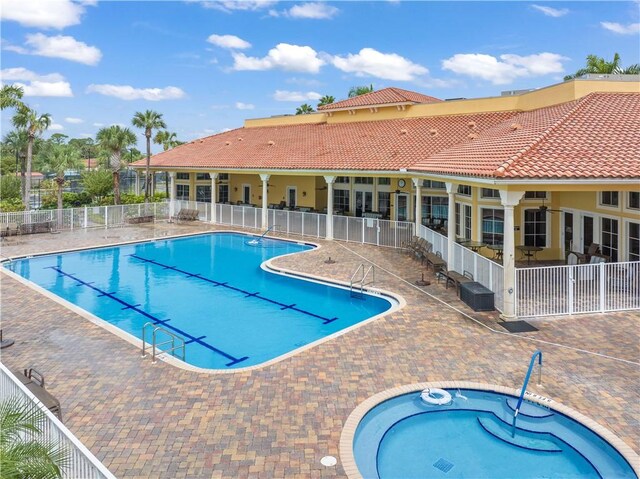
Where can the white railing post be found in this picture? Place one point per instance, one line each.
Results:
(602, 282)
(302, 223)
(106, 220)
(86, 217)
(71, 218)
(571, 282)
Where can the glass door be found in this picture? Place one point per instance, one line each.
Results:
(364, 202)
(246, 194)
(402, 206)
(567, 232)
(291, 197)
(587, 232)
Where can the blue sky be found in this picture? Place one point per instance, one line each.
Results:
(208, 65)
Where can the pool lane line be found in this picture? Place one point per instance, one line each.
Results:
(192, 339)
(228, 286)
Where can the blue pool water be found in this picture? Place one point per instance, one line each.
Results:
(209, 289)
(406, 438)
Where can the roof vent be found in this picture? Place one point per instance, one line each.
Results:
(227, 143)
(403, 132)
(471, 124)
(472, 135)
(516, 126)
(433, 132)
(201, 141)
(271, 143)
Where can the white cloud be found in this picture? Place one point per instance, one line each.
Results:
(76, 121)
(127, 92)
(506, 69)
(33, 84)
(228, 6)
(389, 66)
(631, 29)
(284, 95)
(23, 74)
(98, 125)
(244, 106)
(284, 57)
(551, 12)
(42, 14)
(315, 10)
(229, 41)
(55, 127)
(59, 46)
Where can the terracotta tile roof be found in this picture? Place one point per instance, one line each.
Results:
(373, 145)
(381, 97)
(597, 136)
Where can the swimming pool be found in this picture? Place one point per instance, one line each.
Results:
(209, 289)
(404, 437)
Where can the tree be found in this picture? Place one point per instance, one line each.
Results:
(86, 147)
(10, 96)
(598, 65)
(97, 183)
(25, 450)
(168, 140)
(304, 109)
(360, 90)
(58, 138)
(10, 187)
(114, 140)
(326, 100)
(34, 124)
(16, 143)
(60, 159)
(149, 120)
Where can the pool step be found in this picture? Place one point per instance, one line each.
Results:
(523, 439)
(529, 409)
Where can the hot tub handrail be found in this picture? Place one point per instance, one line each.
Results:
(537, 354)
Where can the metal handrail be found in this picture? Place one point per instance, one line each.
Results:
(155, 345)
(524, 387)
(362, 280)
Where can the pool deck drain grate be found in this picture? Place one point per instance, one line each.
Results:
(444, 465)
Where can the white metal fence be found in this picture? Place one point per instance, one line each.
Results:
(82, 464)
(574, 289)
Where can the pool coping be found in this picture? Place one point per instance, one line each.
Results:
(400, 302)
(351, 424)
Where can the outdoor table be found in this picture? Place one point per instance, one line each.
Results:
(474, 245)
(529, 251)
(497, 251)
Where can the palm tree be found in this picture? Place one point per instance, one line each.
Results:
(59, 159)
(17, 141)
(304, 109)
(34, 124)
(326, 100)
(168, 140)
(113, 140)
(360, 90)
(10, 96)
(25, 450)
(149, 120)
(598, 65)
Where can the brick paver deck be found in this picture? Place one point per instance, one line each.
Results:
(159, 421)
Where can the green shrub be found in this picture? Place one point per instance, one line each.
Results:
(69, 200)
(10, 187)
(11, 205)
(127, 199)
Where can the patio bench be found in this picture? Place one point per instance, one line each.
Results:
(134, 220)
(454, 278)
(36, 227)
(186, 215)
(34, 382)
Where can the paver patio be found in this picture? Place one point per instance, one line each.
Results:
(146, 420)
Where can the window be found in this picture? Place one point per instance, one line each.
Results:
(535, 195)
(609, 198)
(535, 228)
(435, 207)
(463, 221)
(223, 193)
(435, 185)
(182, 192)
(202, 176)
(342, 179)
(341, 200)
(223, 177)
(464, 190)
(182, 176)
(492, 226)
(203, 193)
(610, 238)
(633, 200)
(384, 181)
(490, 193)
(363, 180)
(384, 202)
(634, 241)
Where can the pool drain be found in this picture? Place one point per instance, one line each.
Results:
(328, 461)
(443, 465)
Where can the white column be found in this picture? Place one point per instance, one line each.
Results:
(330, 181)
(509, 200)
(172, 194)
(451, 225)
(214, 192)
(417, 182)
(265, 203)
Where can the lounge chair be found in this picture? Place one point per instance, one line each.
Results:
(10, 229)
(34, 382)
(593, 249)
(186, 215)
(436, 262)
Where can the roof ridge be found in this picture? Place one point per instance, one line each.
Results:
(502, 169)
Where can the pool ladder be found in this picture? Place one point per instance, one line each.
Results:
(364, 273)
(537, 354)
(173, 339)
